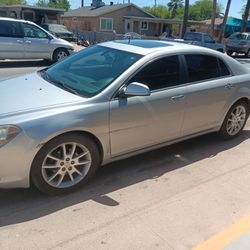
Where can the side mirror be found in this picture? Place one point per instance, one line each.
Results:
(50, 37)
(135, 89)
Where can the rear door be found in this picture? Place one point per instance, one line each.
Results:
(208, 90)
(11, 40)
(36, 42)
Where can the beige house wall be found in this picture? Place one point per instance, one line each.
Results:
(80, 24)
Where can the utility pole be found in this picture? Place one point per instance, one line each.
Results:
(223, 27)
(213, 16)
(155, 3)
(245, 17)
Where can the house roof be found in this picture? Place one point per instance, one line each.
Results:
(31, 7)
(162, 20)
(90, 11)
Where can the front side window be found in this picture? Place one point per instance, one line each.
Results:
(33, 31)
(106, 24)
(10, 29)
(90, 71)
(162, 73)
(202, 67)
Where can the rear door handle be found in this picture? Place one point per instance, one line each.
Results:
(229, 86)
(177, 97)
(19, 41)
(27, 41)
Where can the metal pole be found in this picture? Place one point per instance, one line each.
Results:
(82, 3)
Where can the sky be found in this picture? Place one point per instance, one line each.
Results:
(235, 7)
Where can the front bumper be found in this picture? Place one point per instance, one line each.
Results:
(15, 162)
(237, 49)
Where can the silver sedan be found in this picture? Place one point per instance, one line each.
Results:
(112, 101)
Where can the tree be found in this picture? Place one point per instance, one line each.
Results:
(62, 4)
(213, 16)
(245, 17)
(42, 3)
(159, 11)
(185, 18)
(13, 2)
(174, 5)
(200, 10)
(223, 27)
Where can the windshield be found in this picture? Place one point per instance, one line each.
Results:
(192, 37)
(57, 28)
(240, 36)
(91, 70)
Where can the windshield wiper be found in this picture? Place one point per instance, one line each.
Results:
(61, 84)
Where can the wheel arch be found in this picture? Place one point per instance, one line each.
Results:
(244, 99)
(84, 133)
(76, 132)
(56, 49)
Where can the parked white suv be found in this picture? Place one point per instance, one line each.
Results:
(20, 39)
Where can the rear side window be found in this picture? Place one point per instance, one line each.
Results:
(224, 71)
(10, 29)
(202, 67)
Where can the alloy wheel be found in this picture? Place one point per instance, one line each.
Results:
(66, 165)
(236, 120)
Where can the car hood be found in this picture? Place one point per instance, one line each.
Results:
(30, 92)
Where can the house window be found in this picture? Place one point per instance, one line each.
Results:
(144, 25)
(28, 15)
(106, 24)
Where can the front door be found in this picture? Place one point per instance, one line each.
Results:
(139, 122)
(36, 42)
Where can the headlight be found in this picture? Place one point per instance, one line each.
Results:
(7, 133)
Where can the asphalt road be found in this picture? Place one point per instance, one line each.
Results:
(172, 198)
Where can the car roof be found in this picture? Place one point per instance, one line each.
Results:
(145, 47)
(15, 20)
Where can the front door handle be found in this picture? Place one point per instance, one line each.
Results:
(28, 41)
(177, 97)
(229, 86)
(19, 41)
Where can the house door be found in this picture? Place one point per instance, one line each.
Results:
(129, 26)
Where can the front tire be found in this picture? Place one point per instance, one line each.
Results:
(64, 164)
(229, 52)
(60, 54)
(235, 120)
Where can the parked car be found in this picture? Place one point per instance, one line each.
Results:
(199, 39)
(239, 43)
(59, 30)
(20, 39)
(111, 101)
(131, 35)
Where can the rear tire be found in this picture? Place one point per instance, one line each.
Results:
(235, 120)
(65, 164)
